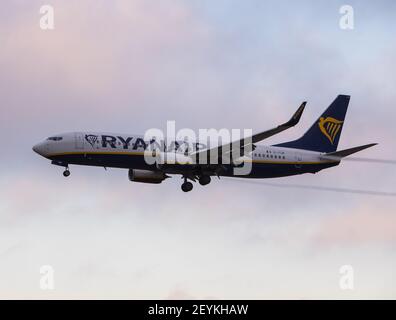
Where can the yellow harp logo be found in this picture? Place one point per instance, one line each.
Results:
(330, 127)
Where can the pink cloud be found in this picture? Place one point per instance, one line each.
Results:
(365, 225)
(125, 49)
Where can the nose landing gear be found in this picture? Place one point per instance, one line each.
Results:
(66, 173)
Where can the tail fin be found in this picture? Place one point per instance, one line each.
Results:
(324, 134)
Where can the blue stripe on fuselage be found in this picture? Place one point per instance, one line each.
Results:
(259, 169)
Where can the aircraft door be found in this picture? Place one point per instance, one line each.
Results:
(298, 158)
(79, 140)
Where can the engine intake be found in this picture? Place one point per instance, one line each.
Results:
(146, 176)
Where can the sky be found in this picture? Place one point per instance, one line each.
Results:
(128, 66)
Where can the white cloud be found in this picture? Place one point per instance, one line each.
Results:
(135, 64)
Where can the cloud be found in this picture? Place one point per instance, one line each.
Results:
(179, 294)
(361, 226)
(97, 62)
(131, 65)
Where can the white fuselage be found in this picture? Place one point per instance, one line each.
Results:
(128, 151)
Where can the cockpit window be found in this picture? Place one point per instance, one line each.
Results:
(55, 138)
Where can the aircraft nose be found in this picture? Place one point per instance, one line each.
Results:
(39, 148)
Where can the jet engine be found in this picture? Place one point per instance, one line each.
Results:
(146, 176)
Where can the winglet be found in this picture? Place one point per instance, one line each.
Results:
(296, 116)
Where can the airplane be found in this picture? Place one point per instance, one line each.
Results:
(314, 151)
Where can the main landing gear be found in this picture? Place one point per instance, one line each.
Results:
(187, 185)
(204, 180)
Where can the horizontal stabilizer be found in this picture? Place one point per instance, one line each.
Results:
(338, 155)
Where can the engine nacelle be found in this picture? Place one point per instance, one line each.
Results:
(146, 176)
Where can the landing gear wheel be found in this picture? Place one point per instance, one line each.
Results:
(66, 173)
(204, 180)
(187, 186)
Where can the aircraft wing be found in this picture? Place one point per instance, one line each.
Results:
(238, 148)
